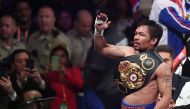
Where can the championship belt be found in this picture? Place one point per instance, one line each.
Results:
(133, 74)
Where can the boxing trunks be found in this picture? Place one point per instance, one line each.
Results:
(125, 105)
(134, 72)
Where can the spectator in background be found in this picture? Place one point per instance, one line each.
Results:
(81, 37)
(24, 17)
(8, 28)
(123, 14)
(172, 15)
(47, 37)
(124, 19)
(65, 21)
(21, 79)
(183, 101)
(66, 80)
(145, 7)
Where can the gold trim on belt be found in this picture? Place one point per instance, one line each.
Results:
(132, 76)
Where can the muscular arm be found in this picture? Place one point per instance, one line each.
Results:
(102, 46)
(111, 51)
(164, 79)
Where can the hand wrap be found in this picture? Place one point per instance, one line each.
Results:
(98, 21)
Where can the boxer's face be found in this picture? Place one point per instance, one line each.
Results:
(143, 40)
